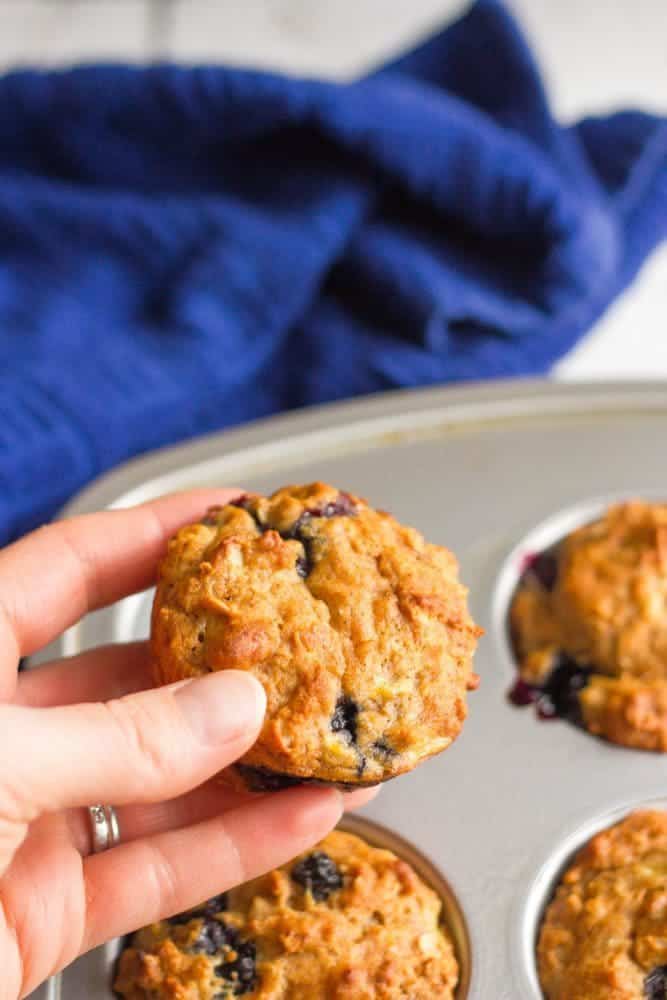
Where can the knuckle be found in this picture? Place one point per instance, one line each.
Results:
(12, 835)
(15, 799)
(12, 951)
(235, 862)
(66, 536)
(145, 737)
(163, 884)
(13, 806)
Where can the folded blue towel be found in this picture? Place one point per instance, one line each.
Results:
(184, 249)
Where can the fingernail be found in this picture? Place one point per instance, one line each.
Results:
(222, 707)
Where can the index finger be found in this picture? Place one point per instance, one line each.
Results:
(52, 577)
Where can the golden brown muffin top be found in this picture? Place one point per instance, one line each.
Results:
(612, 592)
(599, 600)
(357, 628)
(345, 921)
(604, 935)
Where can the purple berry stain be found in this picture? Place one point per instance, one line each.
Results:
(318, 874)
(521, 693)
(301, 531)
(655, 984)
(241, 970)
(214, 935)
(211, 517)
(239, 958)
(542, 566)
(344, 719)
(558, 696)
(207, 909)
(215, 905)
(383, 749)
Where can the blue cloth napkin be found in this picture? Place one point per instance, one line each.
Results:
(184, 249)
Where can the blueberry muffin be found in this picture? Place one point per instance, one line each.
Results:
(345, 921)
(604, 935)
(589, 625)
(357, 628)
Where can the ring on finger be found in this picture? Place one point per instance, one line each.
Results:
(104, 828)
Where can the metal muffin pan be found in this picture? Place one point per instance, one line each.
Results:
(491, 471)
(532, 904)
(378, 836)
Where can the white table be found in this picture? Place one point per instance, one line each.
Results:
(597, 56)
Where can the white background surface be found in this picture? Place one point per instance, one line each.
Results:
(596, 56)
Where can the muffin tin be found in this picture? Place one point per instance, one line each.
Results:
(492, 471)
(380, 836)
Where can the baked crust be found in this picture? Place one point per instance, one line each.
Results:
(357, 628)
(368, 930)
(607, 611)
(604, 935)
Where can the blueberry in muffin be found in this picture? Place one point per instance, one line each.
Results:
(604, 934)
(357, 628)
(589, 627)
(345, 921)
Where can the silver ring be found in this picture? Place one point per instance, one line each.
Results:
(104, 828)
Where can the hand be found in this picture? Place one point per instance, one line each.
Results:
(90, 729)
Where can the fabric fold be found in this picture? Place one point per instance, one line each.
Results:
(183, 249)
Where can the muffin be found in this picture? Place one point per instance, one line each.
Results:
(604, 935)
(357, 628)
(345, 920)
(589, 626)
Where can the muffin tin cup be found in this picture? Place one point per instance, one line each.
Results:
(532, 904)
(101, 973)
(475, 468)
(539, 892)
(539, 537)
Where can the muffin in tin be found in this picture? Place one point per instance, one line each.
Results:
(357, 628)
(604, 934)
(589, 627)
(345, 921)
